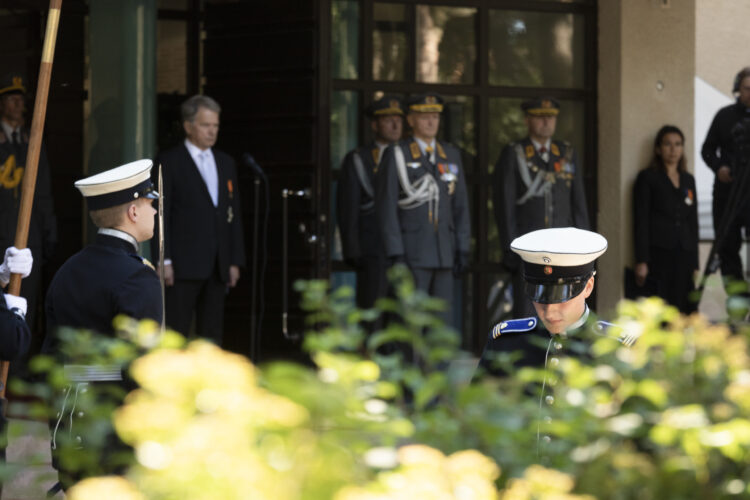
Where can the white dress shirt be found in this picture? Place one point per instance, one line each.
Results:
(204, 159)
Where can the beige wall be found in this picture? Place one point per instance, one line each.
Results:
(642, 45)
(722, 41)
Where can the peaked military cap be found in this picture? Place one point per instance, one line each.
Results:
(426, 103)
(12, 83)
(557, 262)
(118, 185)
(386, 105)
(542, 106)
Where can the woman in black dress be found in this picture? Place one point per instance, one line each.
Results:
(666, 222)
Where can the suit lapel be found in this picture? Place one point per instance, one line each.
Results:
(196, 174)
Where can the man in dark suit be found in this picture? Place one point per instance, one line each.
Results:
(203, 238)
(14, 144)
(537, 183)
(722, 153)
(105, 279)
(422, 204)
(360, 235)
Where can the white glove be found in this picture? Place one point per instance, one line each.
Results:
(17, 303)
(17, 262)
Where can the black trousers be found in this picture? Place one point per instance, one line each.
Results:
(729, 252)
(205, 299)
(372, 282)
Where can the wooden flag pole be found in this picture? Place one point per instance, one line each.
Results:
(35, 147)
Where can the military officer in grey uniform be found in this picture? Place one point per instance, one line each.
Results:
(537, 183)
(558, 274)
(421, 203)
(360, 236)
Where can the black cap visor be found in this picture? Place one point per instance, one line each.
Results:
(554, 293)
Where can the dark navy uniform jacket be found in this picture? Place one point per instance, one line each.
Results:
(14, 333)
(360, 235)
(562, 205)
(43, 224)
(101, 281)
(410, 232)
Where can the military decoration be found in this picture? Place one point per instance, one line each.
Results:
(558, 167)
(449, 175)
(230, 188)
(529, 151)
(689, 197)
(230, 215)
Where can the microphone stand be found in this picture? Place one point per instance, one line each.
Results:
(254, 340)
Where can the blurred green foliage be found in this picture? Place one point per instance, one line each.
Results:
(391, 415)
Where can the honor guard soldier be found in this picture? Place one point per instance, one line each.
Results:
(105, 279)
(421, 203)
(14, 145)
(360, 235)
(558, 273)
(537, 184)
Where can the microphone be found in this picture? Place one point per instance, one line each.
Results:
(248, 160)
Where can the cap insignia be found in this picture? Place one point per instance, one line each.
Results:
(546, 259)
(547, 269)
(430, 99)
(546, 103)
(17, 81)
(393, 103)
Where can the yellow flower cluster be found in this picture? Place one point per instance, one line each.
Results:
(427, 474)
(540, 483)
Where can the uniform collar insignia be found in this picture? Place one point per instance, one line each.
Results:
(554, 149)
(441, 151)
(530, 151)
(415, 152)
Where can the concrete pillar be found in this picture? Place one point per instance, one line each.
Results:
(646, 79)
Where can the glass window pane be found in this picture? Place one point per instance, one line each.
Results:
(172, 4)
(345, 39)
(446, 44)
(536, 49)
(344, 125)
(171, 57)
(458, 127)
(390, 42)
(507, 125)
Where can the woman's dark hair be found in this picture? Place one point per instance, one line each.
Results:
(656, 161)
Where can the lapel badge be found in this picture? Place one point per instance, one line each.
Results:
(230, 188)
(689, 197)
(230, 215)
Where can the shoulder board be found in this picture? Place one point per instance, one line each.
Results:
(514, 326)
(415, 152)
(143, 260)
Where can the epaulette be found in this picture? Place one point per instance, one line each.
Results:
(514, 326)
(143, 260)
(617, 332)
